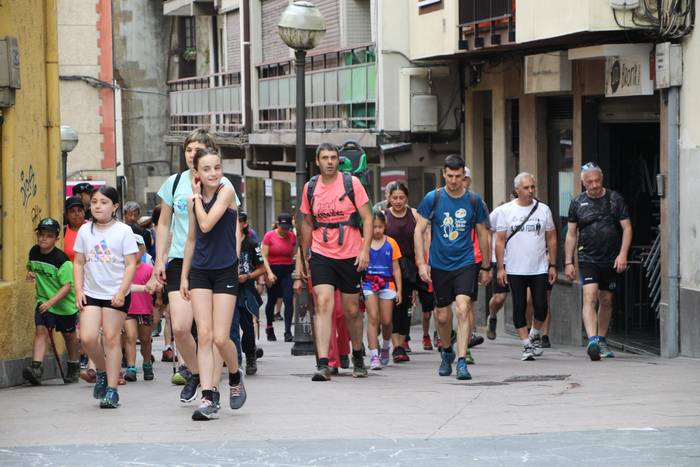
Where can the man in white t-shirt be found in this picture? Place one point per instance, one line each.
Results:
(524, 234)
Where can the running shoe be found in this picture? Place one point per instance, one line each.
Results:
(238, 395)
(84, 362)
(593, 349)
(462, 371)
(33, 374)
(374, 363)
(384, 356)
(270, 334)
(344, 362)
(323, 373)
(469, 358)
(259, 353)
(491, 332)
(110, 399)
(536, 342)
(605, 351)
(400, 356)
(528, 353)
(189, 392)
(406, 347)
(475, 340)
(545, 342)
(216, 398)
(446, 365)
(207, 410)
(181, 376)
(168, 355)
(89, 375)
(251, 365)
(148, 372)
(359, 370)
(288, 337)
(427, 343)
(121, 381)
(334, 370)
(73, 374)
(100, 389)
(130, 374)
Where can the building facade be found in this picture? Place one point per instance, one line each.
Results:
(30, 160)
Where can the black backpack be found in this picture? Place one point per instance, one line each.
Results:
(353, 221)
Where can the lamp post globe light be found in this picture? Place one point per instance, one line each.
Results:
(301, 27)
(69, 140)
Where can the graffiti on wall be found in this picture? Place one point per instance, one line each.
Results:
(27, 185)
(36, 215)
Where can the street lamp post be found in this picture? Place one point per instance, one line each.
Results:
(69, 140)
(301, 27)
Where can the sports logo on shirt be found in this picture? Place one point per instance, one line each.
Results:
(448, 227)
(101, 254)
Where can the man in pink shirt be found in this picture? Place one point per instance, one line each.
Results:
(337, 253)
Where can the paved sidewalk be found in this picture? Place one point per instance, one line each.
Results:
(639, 404)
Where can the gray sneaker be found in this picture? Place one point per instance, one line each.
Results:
(238, 394)
(323, 373)
(536, 343)
(528, 353)
(491, 332)
(359, 370)
(605, 351)
(207, 410)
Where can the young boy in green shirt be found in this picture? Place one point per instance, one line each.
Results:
(52, 273)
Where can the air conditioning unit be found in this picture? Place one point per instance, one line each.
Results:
(624, 4)
(424, 113)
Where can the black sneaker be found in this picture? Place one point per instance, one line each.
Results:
(491, 332)
(270, 331)
(323, 373)
(259, 353)
(545, 342)
(475, 340)
(288, 337)
(73, 374)
(238, 394)
(251, 365)
(359, 370)
(344, 362)
(148, 372)
(33, 374)
(207, 410)
(216, 398)
(110, 399)
(189, 392)
(100, 389)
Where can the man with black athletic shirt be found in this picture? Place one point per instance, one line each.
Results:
(524, 233)
(600, 218)
(452, 212)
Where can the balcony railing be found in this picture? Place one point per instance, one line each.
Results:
(478, 18)
(212, 101)
(340, 91)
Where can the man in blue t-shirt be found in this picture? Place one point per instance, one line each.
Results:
(452, 212)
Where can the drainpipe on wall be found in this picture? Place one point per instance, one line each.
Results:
(670, 339)
(246, 82)
(53, 115)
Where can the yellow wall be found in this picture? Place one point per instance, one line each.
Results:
(544, 19)
(435, 33)
(31, 171)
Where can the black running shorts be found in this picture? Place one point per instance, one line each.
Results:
(340, 273)
(219, 281)
(448, 284)
(62, 323)
(596, 273)
(173, 272)
(108, 303)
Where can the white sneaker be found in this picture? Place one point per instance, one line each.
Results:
(375, 363)
(528, 353)
(536, 343)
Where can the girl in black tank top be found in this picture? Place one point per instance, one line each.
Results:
(210, 282)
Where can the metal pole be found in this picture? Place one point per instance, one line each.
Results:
(303, 339)
(670, 325)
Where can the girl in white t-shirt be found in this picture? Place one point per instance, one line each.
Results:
(104, 266)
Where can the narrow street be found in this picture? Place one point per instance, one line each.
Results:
(562, 409)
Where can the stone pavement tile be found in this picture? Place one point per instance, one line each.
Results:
(649, 447)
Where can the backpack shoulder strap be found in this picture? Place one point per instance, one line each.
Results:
(349, 189)
(177, 180)
(310, 188)
(436, 199)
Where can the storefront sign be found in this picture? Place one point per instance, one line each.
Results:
(550, 72)
(628, 76)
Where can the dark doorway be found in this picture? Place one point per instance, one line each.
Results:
(629, 157)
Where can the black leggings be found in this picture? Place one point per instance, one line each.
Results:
(243, 320)
(401, 323)
(281, 288)
(518, 290)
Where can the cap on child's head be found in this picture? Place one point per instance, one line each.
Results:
(49, 224)
(82, 187)
(73, 202)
